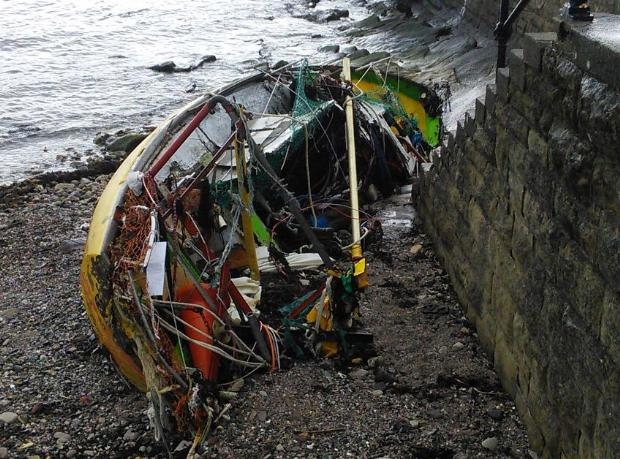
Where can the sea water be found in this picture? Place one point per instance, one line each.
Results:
(72, 68)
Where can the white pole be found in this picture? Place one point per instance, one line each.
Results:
(356, 250)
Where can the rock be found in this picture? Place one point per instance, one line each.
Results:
(62, 437)
(358, 53)
(237, 385)
(4, 453)
(377, 392)
(8, 417)
(165, 67)
(495, 414)
(171, 67)
(490, 443)
(374, 361)
(359, 373)
(64, 187)
(126, 142)
(372, 57)
(279, 448)
(415, 423)
(71, 245)
(325, 15)
(101, 138)
(182, 446)
(204, 60)
(415, 248)
(329, 49)
(130, 435)
(458, 346)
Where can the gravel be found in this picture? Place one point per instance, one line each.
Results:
(425, 388)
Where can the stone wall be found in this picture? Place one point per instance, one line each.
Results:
(524, 209)
(537, 16)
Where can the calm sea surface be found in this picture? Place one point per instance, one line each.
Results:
(72, 68)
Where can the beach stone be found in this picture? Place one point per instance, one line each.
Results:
(126, 142)
(359, 373)
(329, 49)
(165, 67)
(490, 443)
(64, 187)
(237, 385)
(130, 435)
(374, 361)
(62, 437)
(9, 417)
(495, 414)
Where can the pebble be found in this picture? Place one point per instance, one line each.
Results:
(377, 392)
(490, 443)
(415, 423)
(458, 346)
(4, 453)
(359, 373)
(237, 385)
(374, 361)
(279, 447)
(62, 437)
(8, 417)
(182, 446)
(130, 435)
(262, 393)
(495, 414)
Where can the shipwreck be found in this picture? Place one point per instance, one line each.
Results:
(262, 178)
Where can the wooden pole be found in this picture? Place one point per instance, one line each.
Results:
(246, 221)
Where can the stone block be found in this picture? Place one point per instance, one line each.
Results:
(594, 48)
(534, 435)
(607, 427)
(522, 242)
(505, 363)
(513, 121)
(610, 324)
(533, 46)
(490, 127)
(490, 97)
(480, 112)
(470, 123)
(538, 148)
(502, 80)
(451, 141)
(460, 135)
(526, 106)
(516, 194)
(517, 69)
(599, 115)
(607, 252)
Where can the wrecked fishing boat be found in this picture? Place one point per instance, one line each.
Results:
(261, 179)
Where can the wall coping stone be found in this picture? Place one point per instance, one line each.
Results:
(595, 45)
(533, 46)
